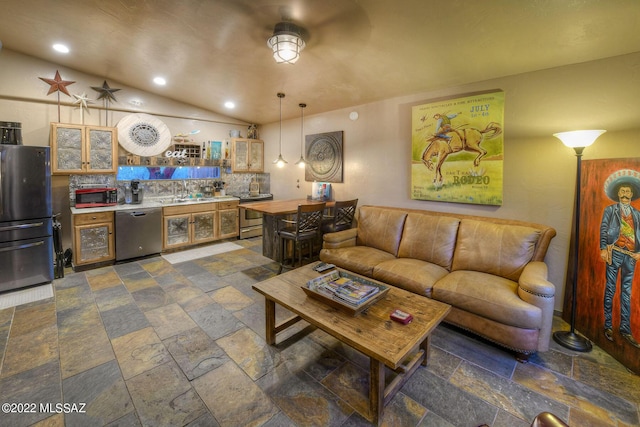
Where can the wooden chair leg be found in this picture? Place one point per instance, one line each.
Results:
(283, 253)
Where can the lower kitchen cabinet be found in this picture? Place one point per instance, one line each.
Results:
(93, 239)
(189, 225)
(229, 220)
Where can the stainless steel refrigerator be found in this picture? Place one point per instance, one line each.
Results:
(26, 243)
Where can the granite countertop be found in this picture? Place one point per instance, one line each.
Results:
(154, 203)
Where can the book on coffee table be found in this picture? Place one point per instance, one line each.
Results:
(347, 291)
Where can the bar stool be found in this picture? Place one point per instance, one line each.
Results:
(342, 218)
(305, 228)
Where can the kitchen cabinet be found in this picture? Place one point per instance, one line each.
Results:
(93, 239)
(228, 219)
(83, 149)
(247, 155)
(189, 225)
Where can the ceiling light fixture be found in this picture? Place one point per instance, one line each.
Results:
(302, 162)
(230, 105)
(280, 162)
(160, 81)
(58, 47)
(286, 42)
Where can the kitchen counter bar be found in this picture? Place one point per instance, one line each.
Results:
(272, 211)
(280, 207)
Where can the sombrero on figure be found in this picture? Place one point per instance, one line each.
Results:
(621, 177)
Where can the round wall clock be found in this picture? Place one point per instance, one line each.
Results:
(143, 135)
(324, 157)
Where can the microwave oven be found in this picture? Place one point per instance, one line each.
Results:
(96, 197)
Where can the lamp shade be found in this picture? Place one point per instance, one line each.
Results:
(280, 161)
(286, 43)
(579, 138)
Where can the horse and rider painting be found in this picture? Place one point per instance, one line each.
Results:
(457, 149)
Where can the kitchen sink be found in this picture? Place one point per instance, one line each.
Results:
(181, 200)
(175, 200)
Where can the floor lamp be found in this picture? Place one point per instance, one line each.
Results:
(578, 140)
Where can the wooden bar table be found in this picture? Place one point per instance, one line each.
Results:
(272, 211)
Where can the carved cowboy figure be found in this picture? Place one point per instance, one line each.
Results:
(620, 247)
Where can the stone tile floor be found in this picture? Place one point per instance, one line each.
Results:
(157, 344)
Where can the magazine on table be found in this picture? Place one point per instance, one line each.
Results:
(342, 288)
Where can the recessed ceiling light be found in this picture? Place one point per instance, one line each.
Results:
(229, 105)
(60, 48)
(160, 81)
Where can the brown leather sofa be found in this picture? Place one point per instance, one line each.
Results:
(490, 270)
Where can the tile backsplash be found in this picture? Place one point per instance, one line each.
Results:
(235, 184)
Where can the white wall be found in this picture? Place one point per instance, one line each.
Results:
(539, 172)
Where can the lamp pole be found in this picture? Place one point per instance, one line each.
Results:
(570, 339)
(578, 140)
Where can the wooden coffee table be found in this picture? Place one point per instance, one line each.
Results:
(401, 347)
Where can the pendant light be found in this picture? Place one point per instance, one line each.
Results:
(280, 162)
(301, 163)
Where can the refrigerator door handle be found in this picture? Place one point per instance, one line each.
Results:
(0, 182)
(25, 246)
(22, 226)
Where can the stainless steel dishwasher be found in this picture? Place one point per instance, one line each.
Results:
(138, 233)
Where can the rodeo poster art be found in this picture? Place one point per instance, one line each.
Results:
(457, 150)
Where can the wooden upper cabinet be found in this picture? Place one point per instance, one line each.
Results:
(247, 155)
(78, 149)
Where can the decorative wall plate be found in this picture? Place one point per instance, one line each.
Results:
(143, 135)
(324, 157)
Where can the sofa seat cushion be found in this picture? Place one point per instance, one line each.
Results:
(409, 274)
(500, 249)
(488, 296)
(359, 259)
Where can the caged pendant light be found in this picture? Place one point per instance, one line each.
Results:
(302, 162)
(280, 162)
(286, 42)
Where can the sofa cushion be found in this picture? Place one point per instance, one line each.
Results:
(500, 249)
(488, 296)
(359, 259)
(430, 238)
(380, 228)
(412, 275)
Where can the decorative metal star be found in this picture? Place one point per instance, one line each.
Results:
(82, 101)
(105, 92)
(57, 84)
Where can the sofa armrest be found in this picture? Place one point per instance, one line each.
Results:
(340, 239)
(534, 288)
(534, 280)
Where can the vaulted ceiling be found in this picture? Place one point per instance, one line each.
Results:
(358, 51)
